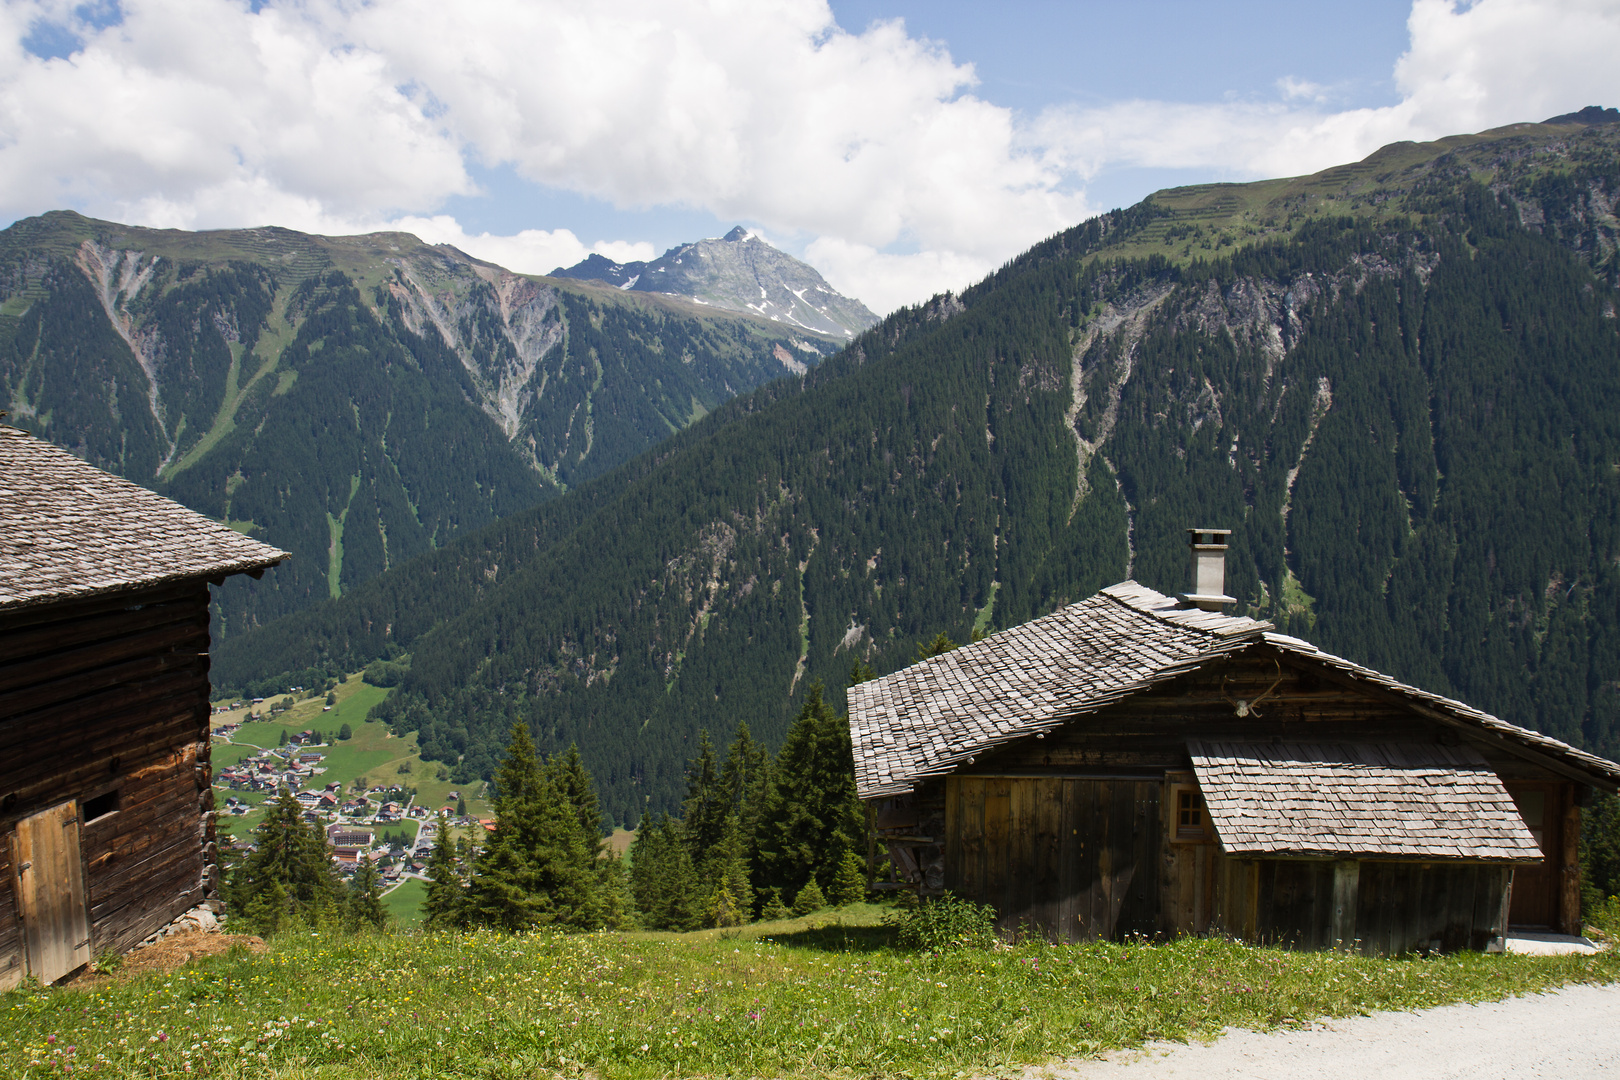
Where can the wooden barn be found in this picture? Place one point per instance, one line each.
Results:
(106, 823)
(1139, 764)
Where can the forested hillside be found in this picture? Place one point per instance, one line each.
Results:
(1398, 382)
(356, 401)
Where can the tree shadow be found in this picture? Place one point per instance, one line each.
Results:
(840, 937)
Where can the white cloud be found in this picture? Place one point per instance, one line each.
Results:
(532, 251)
(1468, 68)
(334, 116)
(1294, 89)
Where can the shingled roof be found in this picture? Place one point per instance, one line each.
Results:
(69, 530)
(1388, 800)
(935, 716)
(929, 718)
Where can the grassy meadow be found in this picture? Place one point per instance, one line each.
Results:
(824, 996)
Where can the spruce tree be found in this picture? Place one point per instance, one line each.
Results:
(290, 873)
(774, 909)
(539, 867)
(810, 899)
(577, 788)
(811, 817)
(849, 883)
(706, 807)
(663, 880)
(941, 645)
(745, 778)
(363, 907)
(442, 908)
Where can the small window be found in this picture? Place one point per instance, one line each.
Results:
(1190, 814)
(100, 806)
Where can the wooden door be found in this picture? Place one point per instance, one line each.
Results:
(1071, 859)
(50, 892)
(1535, 885)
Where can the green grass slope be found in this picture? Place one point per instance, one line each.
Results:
(835, 1000)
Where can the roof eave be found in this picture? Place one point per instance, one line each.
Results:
(255, 566)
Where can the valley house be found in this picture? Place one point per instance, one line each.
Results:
(1140, 764)
(106, 811)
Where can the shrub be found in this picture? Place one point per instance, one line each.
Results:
(944, 923)
(1603, 919)
(810, 899)
(774, 908)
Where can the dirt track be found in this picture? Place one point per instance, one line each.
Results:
(1572, 1034)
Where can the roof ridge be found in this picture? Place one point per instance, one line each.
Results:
(1531, 738)
(1140, 598)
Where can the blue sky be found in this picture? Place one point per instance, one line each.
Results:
(903, 148)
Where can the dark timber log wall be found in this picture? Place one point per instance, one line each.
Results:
(105, 702)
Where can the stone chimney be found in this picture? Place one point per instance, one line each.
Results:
(1208, 547)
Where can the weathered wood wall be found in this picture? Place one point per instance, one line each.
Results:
(1065, 857)
(109, 696)
(1393, 907)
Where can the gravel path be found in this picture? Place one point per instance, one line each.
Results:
(1571, 1034)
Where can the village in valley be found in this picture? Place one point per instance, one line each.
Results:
(366, 789)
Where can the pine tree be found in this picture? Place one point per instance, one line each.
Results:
(810, 899)
(774, 909)
(345, 732)
(539, 867)
(290, 873)
(811, 817)
(363, 907)
(849, 884)
(442, 908)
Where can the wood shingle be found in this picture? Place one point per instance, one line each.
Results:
(70, 531)
(1359, 800)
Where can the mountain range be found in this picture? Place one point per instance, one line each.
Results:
(357, 401)
(1397, 381)
(738, 272)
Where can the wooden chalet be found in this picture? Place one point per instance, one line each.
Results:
(1138, 764)
(106, 823)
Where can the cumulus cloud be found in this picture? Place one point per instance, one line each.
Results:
(871, 148)
(532, 251)
(1468, 68)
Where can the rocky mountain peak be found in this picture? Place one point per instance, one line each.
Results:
(738, 272)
